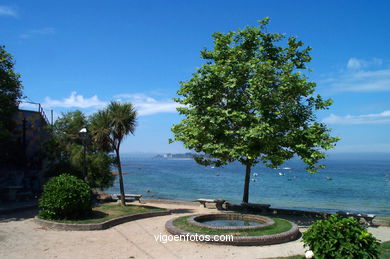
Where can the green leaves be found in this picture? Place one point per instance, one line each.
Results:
(339, 237)
(10, 93)
(65, 197)
(64, 151)
(252, 97)
(111, 125)
(252, 102)
(10, 88)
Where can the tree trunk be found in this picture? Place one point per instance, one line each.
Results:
(122, 189)
(245, 197)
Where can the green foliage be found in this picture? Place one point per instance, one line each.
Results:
(109, 127)
(99, 169)
(10, 90)
(252, 102)
(65, 197)
(65, 152)
(339, 237)
(10, 93)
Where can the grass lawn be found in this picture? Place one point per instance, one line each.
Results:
(280, 226)
(105, 212)
(385, 250)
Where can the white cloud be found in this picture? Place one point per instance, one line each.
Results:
(7, 11)
(363, 81)
(29, 106)
(75, 101)
(360, 77)
(374, 118)
(146, 105)
(355, 63)
(42, 31)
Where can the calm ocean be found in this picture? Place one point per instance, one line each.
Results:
(358, 185)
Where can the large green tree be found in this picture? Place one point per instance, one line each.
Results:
(252, 102)
(64, 151)
(109, 127)
(10, 93)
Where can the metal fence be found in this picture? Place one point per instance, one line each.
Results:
(40, 110)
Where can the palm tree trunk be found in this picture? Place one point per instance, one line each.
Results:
(122, 189)
(245, 197)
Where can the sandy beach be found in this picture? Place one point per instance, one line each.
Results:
(21, 237)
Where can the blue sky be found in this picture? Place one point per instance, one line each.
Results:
(82, 54)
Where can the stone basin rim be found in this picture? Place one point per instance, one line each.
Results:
(279, 238)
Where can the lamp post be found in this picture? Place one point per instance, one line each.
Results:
(84, 135)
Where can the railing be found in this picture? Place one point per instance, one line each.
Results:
(41, 111)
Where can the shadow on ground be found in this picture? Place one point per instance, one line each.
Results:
(301, 221)
(19, 215)
(181, 211)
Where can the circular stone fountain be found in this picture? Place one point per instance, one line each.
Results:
(232, 222)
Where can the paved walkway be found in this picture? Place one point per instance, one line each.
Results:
(20, 237)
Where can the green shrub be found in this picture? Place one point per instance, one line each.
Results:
(65, 197)
(339, 237)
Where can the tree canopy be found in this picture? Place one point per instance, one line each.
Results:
(64, 151)
(10, 89)
(109, 127)
(252, 102)
(10, 93)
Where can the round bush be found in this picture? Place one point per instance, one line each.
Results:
(65, 197)
(339, 237)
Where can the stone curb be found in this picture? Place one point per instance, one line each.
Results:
(98, 226)
(283, 237)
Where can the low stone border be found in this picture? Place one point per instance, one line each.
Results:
(176, 202)
(283, 237)
(98, 226)
(198, 219)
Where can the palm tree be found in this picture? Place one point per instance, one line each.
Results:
(108, 129)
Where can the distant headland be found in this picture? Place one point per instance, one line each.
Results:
(184, 156)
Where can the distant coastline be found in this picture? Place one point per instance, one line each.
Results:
(170, 156)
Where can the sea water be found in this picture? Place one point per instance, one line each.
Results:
(355, 185)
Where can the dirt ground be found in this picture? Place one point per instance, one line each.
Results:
(21, 237)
